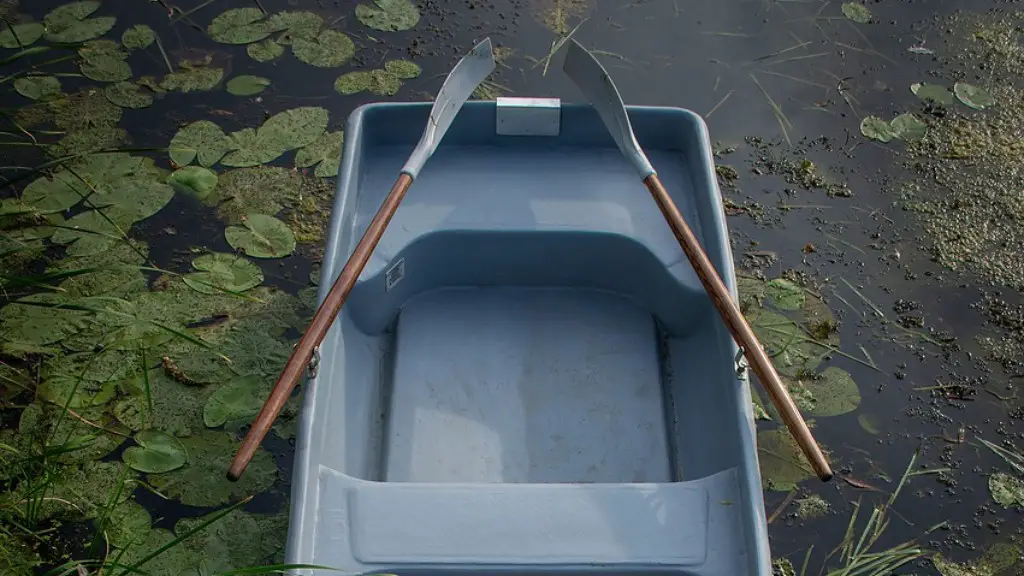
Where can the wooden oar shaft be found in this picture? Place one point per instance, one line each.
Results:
(740, 329)
(318, 327)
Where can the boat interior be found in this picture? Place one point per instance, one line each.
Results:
(528, 377)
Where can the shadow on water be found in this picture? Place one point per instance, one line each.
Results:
(796, 74)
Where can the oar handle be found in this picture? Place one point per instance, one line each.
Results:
(318, 327)
(740, 330)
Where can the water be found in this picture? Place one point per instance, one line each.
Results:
(796, 73)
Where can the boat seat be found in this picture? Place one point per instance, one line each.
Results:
(428, 528)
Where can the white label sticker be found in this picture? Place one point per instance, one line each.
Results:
(394, 275)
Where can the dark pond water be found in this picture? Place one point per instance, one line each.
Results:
(929, 328)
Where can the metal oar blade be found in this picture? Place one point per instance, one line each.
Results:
(595, 83)
(460, 84)
(457, 88)
(593, 80)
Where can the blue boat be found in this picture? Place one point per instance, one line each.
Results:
(528, 377)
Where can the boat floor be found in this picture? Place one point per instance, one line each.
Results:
(525, 385)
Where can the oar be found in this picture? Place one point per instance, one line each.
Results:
(460, 84)
(592, 79)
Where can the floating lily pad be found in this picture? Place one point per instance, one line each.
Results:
(792, 350)
(328, 50)
(128, 95)
(933, 93)
(20, 35)
(783, 465)
(261, 236)
(384, 83)
(1006, 490)
(200, 78)
(240, 399)
(128, 524)
(138, 37)
(294, 128)
(261, 189)
(246, 85)
(223, 271)
(45, 421)
(70, 23)
(197, 180)
(202, 482)
(404, 69)
(908, 127)
(875, 128)
(264, 51)
(106, 68)
(785, 294)
(234, 542)
(296, 24)
(325, 152)
(973, 96)
(857, 12)
(203, 140)
(38, 87)
(353, 83)
(75, 392)
(834, 392)
(85, 110)
(247, 149)
(388, 15)
(157, 452)
(241, 26)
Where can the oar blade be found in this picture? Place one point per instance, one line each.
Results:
(469, 73)
(593, 80)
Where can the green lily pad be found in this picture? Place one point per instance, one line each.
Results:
(225, 271)
(128, 524)
(70, 23)
(200, 78)
(857, 12)
(246, 85)
(128, 95)
(404, 69)
(294, 128)
(792, 350)
(389, 15)
(157, 452)
(973, 96)
(328, 50)
(265, 51)
(247, 149)
(908, 127)
(261, 236)
(785, 294)
(38, 87)
(875, 128)
(834, 392)
(202, 482)
(241, 26)
(1006, 490)
(203, 140)
(197, 180)
(20, 35)
(173, 560)
(106, 68)
(933, 93)
(85, 110)
(138, 37)
(353, 83)
(261, 189)
(384, 83)
(236, 541)
(783, 465)
(76, 392)
(240, 399)
(296, 24)
(325, 152)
